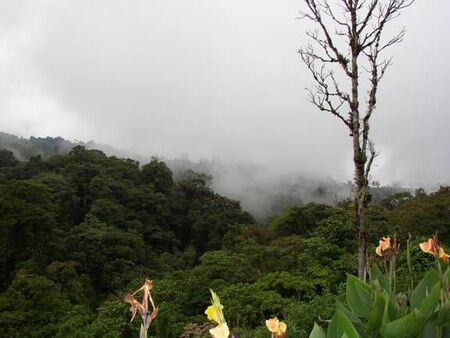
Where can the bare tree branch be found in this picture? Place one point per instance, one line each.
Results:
(343, 42)
(316, 16)
(369, 163)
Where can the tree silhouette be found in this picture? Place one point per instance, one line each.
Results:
(348, 35)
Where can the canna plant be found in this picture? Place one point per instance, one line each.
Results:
(214, 312)
(374, 309)
(277, 328)
(142, 307)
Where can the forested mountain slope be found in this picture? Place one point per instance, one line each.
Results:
(261, 191)
(78, 230)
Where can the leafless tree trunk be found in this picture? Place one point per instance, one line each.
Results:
(348, 35)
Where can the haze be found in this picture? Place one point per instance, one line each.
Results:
(216, 79)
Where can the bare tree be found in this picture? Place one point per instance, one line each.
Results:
(349, 35)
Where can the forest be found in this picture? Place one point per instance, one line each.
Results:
(79, 230)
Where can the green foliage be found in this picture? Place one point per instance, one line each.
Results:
(159, 175)
(32, 306)
(374, 311)
(78, 228)
(7, 158)
(300, 220)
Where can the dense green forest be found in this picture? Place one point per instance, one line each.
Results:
(79, 230)
(261, 192)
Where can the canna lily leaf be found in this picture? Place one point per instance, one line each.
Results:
(423, 289)
(409, 326)
(340, 326)
(378, 315)
(429, 304)
(359, 297)
(317, 332)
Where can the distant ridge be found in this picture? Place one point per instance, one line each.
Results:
(260, 192)
(24, 148)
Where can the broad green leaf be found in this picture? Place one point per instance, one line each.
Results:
(317, 332)
(340, 326)
(393, 308)
(447, 274)
(429, 304)
(444, 314)
(424, 288)
(409, 326)
(431, 328)
(357, 323)
(358, 296)
(350, 315)
(375, 272)
(379, 308)
(380, 280)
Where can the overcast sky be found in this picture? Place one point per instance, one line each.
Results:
(216, 78)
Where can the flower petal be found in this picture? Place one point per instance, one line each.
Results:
(378, 251)
(282, 328)
(273, 324)
(220, 331)
(443, 255)
(212, 314)
(428, 246)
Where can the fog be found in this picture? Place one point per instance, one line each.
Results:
(217, 79)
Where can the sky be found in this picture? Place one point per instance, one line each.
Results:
(217, 79)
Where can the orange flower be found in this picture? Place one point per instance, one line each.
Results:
(432, 247)
(384, 244)
(148, 285)
(135, 306)
(142, 307)
(277, 328)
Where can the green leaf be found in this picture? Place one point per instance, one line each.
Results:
(430, 328)
(359, 296)
(380, 280)
(424, 288)
(317, 332)
(444, 314)
(350, 315)
(430, 303)
(378, 315)
(409, 326)
(375, 272)
(357, 323)
(340, 326)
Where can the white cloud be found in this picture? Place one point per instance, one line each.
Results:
(214, 78)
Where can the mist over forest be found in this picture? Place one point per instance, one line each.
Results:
(79, 229)
(224, 169)
(261, 191)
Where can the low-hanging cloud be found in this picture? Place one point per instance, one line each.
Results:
(215, 78)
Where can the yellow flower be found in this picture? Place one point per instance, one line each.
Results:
(220, 331)
(432, 247)
(214, 311)
(384, 244)
(443, 255)
(276, 327)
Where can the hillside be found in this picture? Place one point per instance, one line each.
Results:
(260, 191)
(79, 230)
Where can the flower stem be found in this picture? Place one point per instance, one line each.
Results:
(408, 260)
